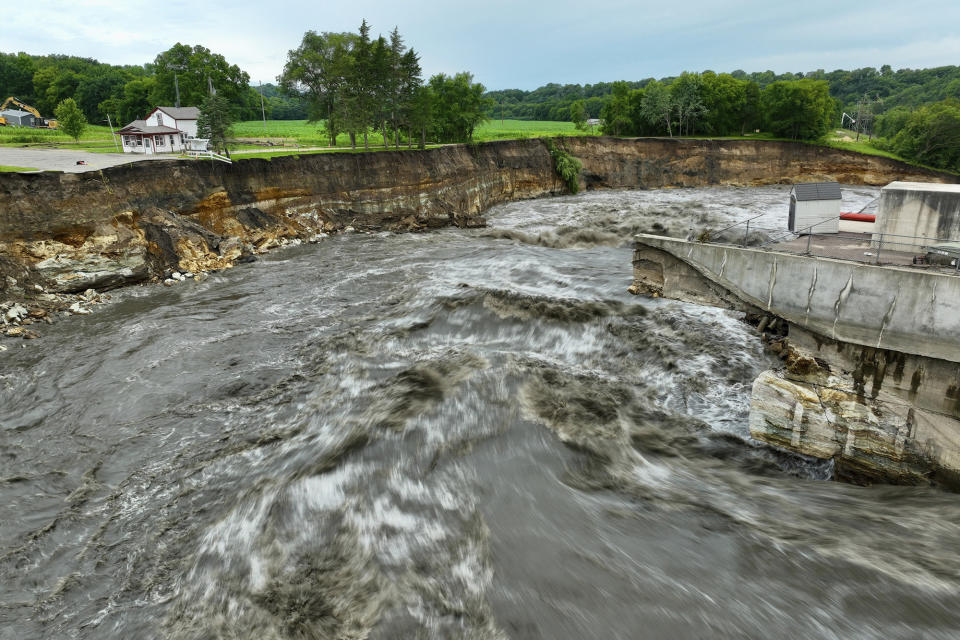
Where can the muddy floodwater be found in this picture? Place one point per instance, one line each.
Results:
(455, 434)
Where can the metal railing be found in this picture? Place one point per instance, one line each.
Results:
(202, 155)
(880, 244)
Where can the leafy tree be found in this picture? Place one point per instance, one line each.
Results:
(616, 111)
(215, 121)
(135, 101)
(195, 69)
(420, 112)
(70, 119)
(657, 106)
(578, 115)
(931, 135)
(725, 100)
(459, 105)
(798, 109)
(687, 93)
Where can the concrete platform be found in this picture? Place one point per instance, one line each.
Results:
(847, 246)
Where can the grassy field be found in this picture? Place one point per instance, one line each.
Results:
(95, 138)
(8, 169)
(300, 133)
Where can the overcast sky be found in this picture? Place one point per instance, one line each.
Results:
(513, 44)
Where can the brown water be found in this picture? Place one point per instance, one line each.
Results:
(459, 434)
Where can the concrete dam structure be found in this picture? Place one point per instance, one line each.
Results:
(872, 352)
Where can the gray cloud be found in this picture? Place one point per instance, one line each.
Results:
(514, 44)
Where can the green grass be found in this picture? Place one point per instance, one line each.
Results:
(293, 133)
(8, 169)
(513, 129)
(95, 138)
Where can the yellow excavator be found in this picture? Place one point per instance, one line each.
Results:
(41, 123)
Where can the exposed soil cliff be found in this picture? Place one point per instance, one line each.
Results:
(138, 221)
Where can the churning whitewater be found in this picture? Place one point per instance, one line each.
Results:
(455, 434)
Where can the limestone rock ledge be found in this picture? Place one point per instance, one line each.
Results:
(870, 439)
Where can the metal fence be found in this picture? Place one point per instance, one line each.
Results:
(897, 249)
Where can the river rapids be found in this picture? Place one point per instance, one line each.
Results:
(456, 434)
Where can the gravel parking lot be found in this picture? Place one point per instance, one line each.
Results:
(66, 159)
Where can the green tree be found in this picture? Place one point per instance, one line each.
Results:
(215, 121)
(931, 135)
(194, 70)
(687, 93)
(616, 110)
(420, 113)
(798, 109)
(70, 119)
(459, 105)
(725, 99)
(319, 71)
(657, 106)
(135, 101)
(578, 115)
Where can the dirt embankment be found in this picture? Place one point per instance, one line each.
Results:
(72, 232)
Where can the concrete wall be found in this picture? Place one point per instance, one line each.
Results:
(899, 309)
(926, 211)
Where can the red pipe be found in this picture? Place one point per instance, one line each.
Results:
(858, 217)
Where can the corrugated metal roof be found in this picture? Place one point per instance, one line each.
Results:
(16, 112)
(181, 113)
(817, 191)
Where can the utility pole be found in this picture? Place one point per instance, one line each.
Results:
(263, 111)
(176, 82)
(110, 124)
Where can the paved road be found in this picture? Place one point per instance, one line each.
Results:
(66, 159)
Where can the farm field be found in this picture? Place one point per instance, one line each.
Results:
(301, 133)
(95, 138)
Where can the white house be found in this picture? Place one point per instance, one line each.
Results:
(165, 130)
(182, 118)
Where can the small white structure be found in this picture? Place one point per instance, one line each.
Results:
(815, 208)
(197, 144)
(164, 130)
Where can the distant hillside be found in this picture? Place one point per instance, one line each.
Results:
(884, 87)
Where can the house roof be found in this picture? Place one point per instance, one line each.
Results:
(180, 113)
(16, 112)
(817, 191)
(140, 126)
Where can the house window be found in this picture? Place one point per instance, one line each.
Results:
(171, 141)
(139, 141)
(158, 141)
(159, 119)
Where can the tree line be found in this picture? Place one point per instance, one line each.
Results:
(354, 84)
(882, 88)
(128, 92)
(716, 105)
